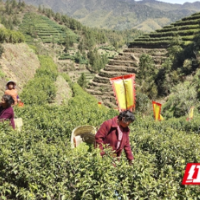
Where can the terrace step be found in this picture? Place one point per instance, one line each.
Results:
(128, 56)
(100, 87)
(100, 94)
(158, 60)
(122, 68)
(110, 104)
(93, 83)
(94, 92)
(102, 90)
(126, 62)
(100, 79)
(144, 50)
(111, 74)
(123, 62)
(110, 98)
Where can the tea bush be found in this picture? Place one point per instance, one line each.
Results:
(38, 163)
(11, 36)
(38, 26)
(41, 89)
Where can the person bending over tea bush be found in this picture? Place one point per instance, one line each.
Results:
(115, 133)
(6, 110)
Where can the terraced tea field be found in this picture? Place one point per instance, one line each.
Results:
(187, 29)
(38, 26)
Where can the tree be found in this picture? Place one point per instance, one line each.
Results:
(147, 67)
(14, 3)
(183, 97)
(66, 44)
(23, 4)
(82, 80)
(77, 57)
(58, 17)
(8, 9)
(164, 77)
(15, 20)
(147, 75)
(81, 46)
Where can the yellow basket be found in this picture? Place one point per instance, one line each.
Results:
(83, 134)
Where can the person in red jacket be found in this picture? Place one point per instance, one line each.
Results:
(115, 133)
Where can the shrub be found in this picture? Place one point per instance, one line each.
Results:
(82, 80)
(11, 36)
(41, 89)
(183, 97)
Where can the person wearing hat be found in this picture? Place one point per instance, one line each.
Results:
(115, 133)
(11, 90)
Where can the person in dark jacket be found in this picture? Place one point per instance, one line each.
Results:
(115, 133)
(6, 110)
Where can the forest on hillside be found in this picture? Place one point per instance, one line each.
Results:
(121, 14)
(65, 31)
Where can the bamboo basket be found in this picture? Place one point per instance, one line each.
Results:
(83, 134)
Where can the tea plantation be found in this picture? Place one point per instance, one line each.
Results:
(38, 26)
(38, 162)
(187, 29)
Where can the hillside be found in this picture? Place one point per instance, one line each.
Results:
(74, 47)
(18, 63)
(38, 163)
(171, 7)
(161, 60)
(121, 14)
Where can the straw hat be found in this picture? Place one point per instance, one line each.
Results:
(14, 83)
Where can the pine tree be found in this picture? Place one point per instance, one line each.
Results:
(66, 44)
(23, 4)
(82, 80)
(15, 20)
(58, 17)
(14, 3)
(81, 46)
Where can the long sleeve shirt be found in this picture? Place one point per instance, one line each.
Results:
(7, 114)
(108, 134)
(12, 93)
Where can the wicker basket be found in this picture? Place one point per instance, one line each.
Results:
(83, 134)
